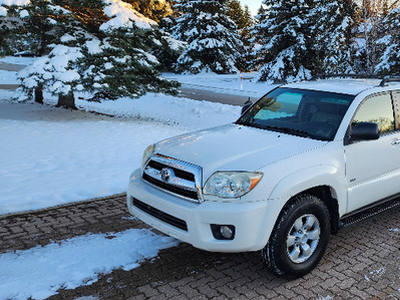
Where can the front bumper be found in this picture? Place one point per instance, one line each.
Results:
(170, 214)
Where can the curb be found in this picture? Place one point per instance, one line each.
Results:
(39, 211)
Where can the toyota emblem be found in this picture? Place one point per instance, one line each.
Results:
(167, 174)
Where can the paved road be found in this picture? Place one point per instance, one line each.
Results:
(10, 67)
(221, 95)
(362, 261)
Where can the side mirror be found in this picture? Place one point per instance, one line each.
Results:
(365, 131)
(246, 106)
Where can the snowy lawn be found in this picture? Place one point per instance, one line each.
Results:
(51, 156)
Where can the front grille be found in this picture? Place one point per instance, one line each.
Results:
(174, 176)
(159, 214)
(176, 190)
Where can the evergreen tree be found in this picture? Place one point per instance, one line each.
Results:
(244, 21)
(242, 18)
(286, 51)
(153, 9)
(124, 67)
(57, 72)
(390, 60)
(371, 15)
(335, 36)
(107, 55)
(39, 26)
(212, 37)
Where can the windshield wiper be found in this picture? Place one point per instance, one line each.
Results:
(293, 131)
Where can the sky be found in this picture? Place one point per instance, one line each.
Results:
(254, 5)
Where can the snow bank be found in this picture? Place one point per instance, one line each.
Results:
(39, 272)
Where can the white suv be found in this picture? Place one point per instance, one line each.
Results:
(301, 162)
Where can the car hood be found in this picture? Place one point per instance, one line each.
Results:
(235, 148)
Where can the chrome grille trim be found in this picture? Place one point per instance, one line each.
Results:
(185, 182)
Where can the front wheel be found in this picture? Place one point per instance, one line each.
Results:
(299, 239)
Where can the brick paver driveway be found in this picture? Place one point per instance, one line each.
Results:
(362, 261)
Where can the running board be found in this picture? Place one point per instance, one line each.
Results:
(347, 221)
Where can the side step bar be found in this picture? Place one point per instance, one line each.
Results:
(347, 221)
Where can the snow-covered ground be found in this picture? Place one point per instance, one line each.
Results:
(39, 272)
(51, 156)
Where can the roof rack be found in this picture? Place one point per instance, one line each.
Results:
(362, 76)
(384, 78)
(389, 79)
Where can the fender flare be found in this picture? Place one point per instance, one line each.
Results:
(298, 182)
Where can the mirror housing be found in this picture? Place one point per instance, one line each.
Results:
(246, 106)
(365, 131)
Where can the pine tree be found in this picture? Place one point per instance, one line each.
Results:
(212, 37)
(244, 21)
(242, 18)
(153, 9)
(390, 60)
(371, 14)
(335, 36)
(39, 26)
(124, 67)
(286, 51)
(107, 55)
(57, 72)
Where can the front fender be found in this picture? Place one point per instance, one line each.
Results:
(305, 179)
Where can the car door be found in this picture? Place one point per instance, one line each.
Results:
(373, 167)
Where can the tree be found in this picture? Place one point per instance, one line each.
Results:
(371, 15)
(286, 51)
(244, 21)
(124, 67)
(335, 36)
(390, 60)
(242, 18)
(212, 38)
(152, 9)
(108, 56)
(57, 72)
(39, 25)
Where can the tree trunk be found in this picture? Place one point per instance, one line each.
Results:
(66, 101)
(39, 94)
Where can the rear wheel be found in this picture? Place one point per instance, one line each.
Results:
(299, 239)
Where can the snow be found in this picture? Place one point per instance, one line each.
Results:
(122, 14)
(51, 156)
(39, 272)
(3, 10)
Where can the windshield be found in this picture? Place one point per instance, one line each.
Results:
(299, 112)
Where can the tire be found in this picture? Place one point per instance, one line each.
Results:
(299, 239)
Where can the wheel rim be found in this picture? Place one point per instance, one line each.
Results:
(303, 238)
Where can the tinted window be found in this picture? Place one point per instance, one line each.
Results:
(377, 109)
(306, 113)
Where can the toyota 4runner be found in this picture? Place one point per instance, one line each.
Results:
(301, 162)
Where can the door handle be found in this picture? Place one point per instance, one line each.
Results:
(395, 142)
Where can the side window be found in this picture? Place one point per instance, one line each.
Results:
(377, 109)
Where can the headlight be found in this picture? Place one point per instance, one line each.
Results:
(147, 153)
(231, 184)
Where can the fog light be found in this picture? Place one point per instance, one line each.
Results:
(223, 232)
(226, 232)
